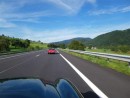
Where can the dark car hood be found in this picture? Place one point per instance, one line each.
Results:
(35, 88)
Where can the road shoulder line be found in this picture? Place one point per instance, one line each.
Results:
(87, 81)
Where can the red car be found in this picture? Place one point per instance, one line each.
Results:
(51, 51)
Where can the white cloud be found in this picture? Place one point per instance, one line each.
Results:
(68, 33)
(12, 11)
(63, 34)
(27, 16)
(5, 24)
(13, 8)
(92, 1)
(49, 35)
(71, 6)
(13, 5)
(110, 11)
(125, 9)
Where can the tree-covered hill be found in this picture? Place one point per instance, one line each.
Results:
(118, 40)
(80, 39)
(114, 38)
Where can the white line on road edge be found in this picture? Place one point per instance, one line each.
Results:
(90, 84)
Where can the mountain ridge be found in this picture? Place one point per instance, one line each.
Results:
(113, 38)
(68, 41)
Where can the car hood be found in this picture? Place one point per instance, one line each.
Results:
(36, 88)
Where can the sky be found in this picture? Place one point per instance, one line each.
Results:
(56, 20)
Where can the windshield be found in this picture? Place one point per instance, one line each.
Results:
(86, 42)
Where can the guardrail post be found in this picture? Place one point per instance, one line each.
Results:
(108, 59)
(129, 64)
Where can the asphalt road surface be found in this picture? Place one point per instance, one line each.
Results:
(86, 76)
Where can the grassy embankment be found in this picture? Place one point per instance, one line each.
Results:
(33, 47)
(119, 66)
(37, 45)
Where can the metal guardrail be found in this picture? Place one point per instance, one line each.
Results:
(105, 55)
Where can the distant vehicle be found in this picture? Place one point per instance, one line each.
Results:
(51, 51)
(38, 88)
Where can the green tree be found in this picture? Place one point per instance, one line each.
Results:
(90, 46)
(52, 45)
(26, 43)
(114, 48)
(124, 48)
(37, 47)
(63, 46)
(76, 45)
(16, 42)
(4, 44)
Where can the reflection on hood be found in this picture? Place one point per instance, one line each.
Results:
(35, 88)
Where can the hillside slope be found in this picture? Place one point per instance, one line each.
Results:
(114, 38)
(83, 40)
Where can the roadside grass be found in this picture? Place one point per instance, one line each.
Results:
(107, 51)
(40, 45)
(18, 50)
(13, 51)
(119, 66)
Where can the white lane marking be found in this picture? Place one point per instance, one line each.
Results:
(15, 66)
(37, 55)
(90, 84)
(17, 55)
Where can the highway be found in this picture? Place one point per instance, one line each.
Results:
(86, 76)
